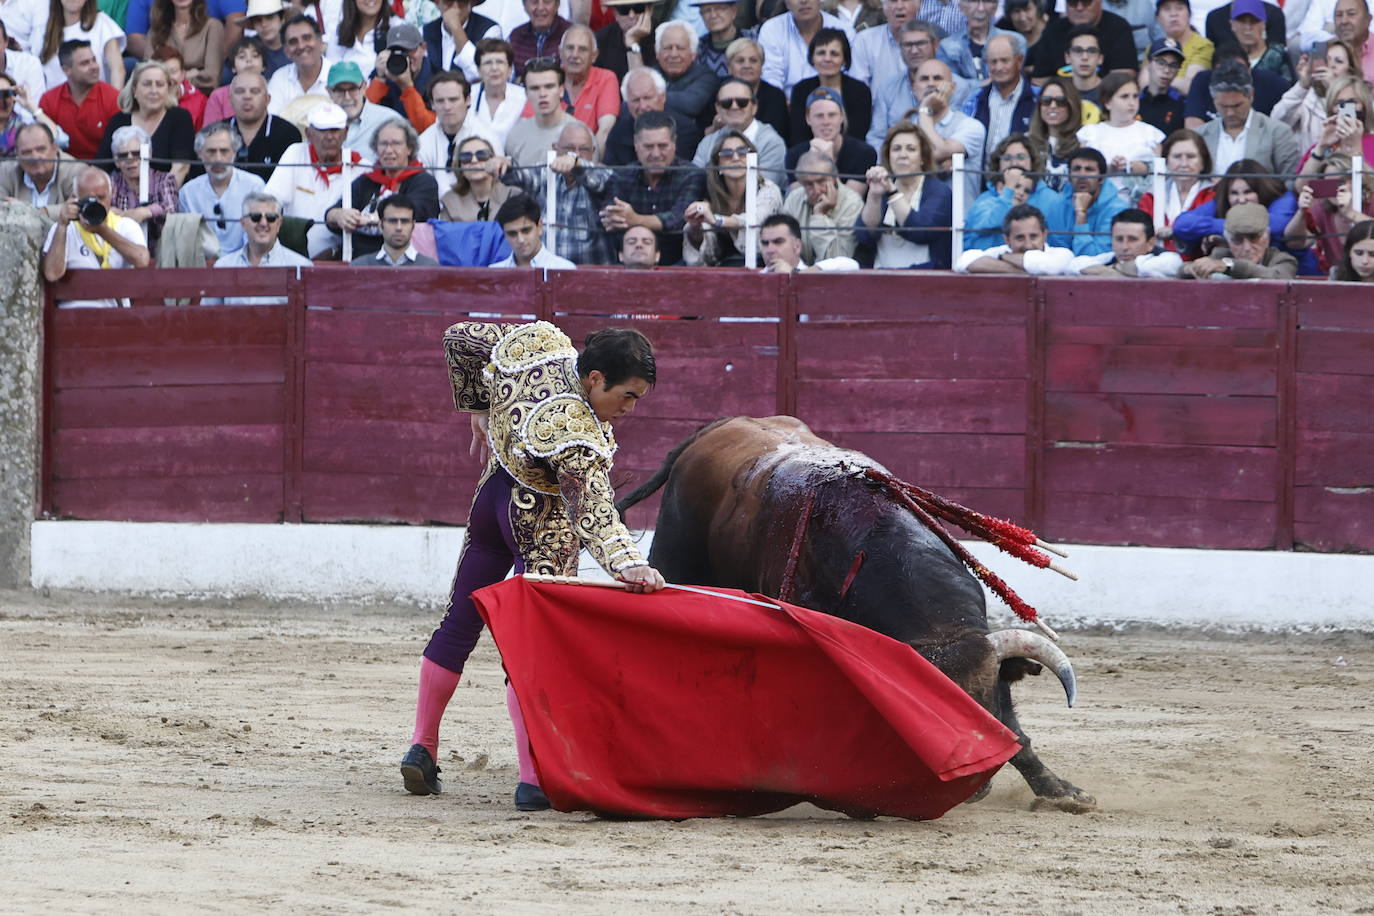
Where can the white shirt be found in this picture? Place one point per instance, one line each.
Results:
(895, 252)
(79, 257)
(284, 87)
(22, 18)
(1174, 204)
(466, 59)
(786, 61)
(877, 57)
(302, 190)
(102, 33)
(434, 147)
(1051, 262)
(1163, 264)
(1231, 149)
(543, 258)
(497, 124)
(25, 70)
(362, 52)
(1000, 111)
(40, 199)
(1135, 142)
(277, 256)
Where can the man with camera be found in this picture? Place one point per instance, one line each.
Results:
(402, 76)
(88, 235)
(40, 175)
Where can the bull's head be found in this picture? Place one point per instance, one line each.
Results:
(1030, 645)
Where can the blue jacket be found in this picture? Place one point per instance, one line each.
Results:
(1099, 224)
(1192, 226)
(956, 52)
(983, 222)
(925, 225)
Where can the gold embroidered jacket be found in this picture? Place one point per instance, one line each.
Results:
(544, 433)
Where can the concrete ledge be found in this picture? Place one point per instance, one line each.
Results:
(1120, 586)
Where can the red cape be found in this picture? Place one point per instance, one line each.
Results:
(686, 705)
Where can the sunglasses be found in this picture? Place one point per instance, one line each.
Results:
(126, 156)
(1054, 101)
(633, 9)
(736, 152)
(735, 102)
(478, 155)
(541, 61)
(1078, 3)
(8, 94)
(259, 217)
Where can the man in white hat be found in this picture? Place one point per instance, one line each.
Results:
(308, 177)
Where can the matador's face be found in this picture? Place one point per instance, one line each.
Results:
(610, 403)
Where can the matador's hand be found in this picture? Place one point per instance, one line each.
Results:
(478, 448)
(641, 579)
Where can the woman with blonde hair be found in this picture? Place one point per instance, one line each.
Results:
(187, 26)
(71, 19)
(1303, 107)
(907, 211)
(476, 195)
(150, 100)
(744, 59)
(714, 232)
(1347, 131)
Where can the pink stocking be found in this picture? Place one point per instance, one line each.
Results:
(522, 738)
(437, 684)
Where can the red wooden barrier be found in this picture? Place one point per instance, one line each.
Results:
(1162, 413)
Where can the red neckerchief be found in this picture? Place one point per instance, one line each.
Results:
(390, 183)
(336, 169)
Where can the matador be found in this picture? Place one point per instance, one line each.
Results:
(545, 415)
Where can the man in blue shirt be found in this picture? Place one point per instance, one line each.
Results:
(218, 195)
(1086, 206)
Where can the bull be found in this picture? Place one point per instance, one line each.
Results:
(766, 506)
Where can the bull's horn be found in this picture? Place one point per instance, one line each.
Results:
(1031, 645)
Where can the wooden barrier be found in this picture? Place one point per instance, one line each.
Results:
(1160, 413)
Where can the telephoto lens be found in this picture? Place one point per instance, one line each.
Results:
(91, 211)
(397, 62)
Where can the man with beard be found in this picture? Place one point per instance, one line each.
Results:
(218, 195)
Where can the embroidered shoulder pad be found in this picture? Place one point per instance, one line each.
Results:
(531, 345)
(563, 422)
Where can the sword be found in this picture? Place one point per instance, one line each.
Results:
(612, 583)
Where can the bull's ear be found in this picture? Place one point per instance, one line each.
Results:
(1013, 669)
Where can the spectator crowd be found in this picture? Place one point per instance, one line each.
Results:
(421, 132)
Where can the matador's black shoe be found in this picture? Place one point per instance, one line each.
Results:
(529, 797)
(420, 772)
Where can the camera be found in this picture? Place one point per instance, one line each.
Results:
(397, 61)
(91, 211)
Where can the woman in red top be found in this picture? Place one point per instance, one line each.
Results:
(1187, 161)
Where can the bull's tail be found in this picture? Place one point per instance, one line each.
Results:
(650, 486)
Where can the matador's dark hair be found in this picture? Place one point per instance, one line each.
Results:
(620, 354)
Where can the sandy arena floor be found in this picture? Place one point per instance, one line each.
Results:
(175, 757)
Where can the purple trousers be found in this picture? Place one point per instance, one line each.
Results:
(489, 551)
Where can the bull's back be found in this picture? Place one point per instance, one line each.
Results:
(721, 520)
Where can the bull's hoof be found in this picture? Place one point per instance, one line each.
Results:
(1069, 804)
(981, 794)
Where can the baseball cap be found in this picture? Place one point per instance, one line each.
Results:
(1247, 219)
(1159, 3)
(1251, 7)
(825, 93)
(328, 116)
(1165, 46)
(403, 35)
(345, 71)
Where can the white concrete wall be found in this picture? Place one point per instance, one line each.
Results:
(1119, 585)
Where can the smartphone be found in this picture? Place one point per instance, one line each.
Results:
(1318, 53)
(1325, 188)
(1348, 108)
